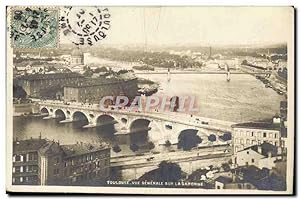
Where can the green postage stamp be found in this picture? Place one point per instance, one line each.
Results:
(34, 27)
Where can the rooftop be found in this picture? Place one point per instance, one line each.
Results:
(267, 125)
(89, 82)
(49, 76)
(265, 149)
(224, 179)
(28, 145)
(83, 148)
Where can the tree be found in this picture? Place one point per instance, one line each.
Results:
(100, 69)
(88, 72)
(168, 143)
(188, 140)
(116, 148)
(134, 147)
(167, 171)
(151, 145)
(226, 167)
(212, 138)
(226, 136)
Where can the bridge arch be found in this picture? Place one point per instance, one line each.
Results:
(105, 125)
(188, 139)
(139, 131)
(59, 113)
(80, 119)
(105, 119)
(44, 110)
(138, 124)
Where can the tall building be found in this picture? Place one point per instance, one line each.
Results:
(25, 161)
(43, 162)
(255, 133)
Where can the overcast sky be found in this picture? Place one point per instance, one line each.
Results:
(199, 25)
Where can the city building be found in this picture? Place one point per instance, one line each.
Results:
(84, 163)
(255, 133)
(25, 161)
(44, 162)
(260, 156)
(93, 90)
(41, 85)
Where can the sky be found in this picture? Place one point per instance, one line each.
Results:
(199, 25)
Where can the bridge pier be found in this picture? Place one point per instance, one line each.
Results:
(66, 121)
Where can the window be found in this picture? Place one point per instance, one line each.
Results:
(259, 142)
(17, 169)
(18, 158)
(265, 134)
(218, 187)
(56, 171)
(74, 179)
(275, 135)
(252, 160)
(252, 133)
(239, 186)
(247, 152)
(57, 160)
(30, 156)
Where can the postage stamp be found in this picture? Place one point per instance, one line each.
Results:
(34, 27)
(85, 25)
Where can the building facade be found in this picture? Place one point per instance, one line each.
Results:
(255, 133)
(44, 162)
(40, 85)
(93, 92)
(25, 161)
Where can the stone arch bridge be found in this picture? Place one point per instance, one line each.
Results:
(160, 126)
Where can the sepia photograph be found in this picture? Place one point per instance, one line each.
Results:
(150, 100)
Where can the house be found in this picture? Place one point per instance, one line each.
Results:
(260, 156)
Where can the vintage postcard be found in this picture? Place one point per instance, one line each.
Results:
(150, 100)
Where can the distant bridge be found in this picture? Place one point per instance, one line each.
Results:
(161, 126)
(199, 72)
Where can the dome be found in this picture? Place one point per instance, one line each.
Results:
(76, 52)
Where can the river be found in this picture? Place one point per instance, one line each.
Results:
(242, 99)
